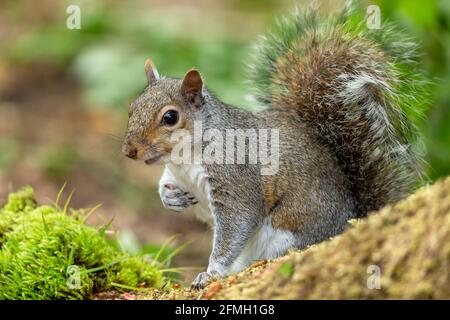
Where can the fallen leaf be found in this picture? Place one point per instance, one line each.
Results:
(212, 289)
(128, 296)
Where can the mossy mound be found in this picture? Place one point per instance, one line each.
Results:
(48, 253)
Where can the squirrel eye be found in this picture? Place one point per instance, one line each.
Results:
(170, 118)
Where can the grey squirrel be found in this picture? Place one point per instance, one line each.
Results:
(339, 95)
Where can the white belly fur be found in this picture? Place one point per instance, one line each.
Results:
(266, 243)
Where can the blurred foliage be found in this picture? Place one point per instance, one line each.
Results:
(9, 152)
(107, 54)
(429, 23)
(58, 161)
(109, 51)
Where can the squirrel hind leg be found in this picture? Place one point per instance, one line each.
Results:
(266, 243)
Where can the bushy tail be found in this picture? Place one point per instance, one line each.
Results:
(357, 88)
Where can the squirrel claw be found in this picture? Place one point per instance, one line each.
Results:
(202, 280)
(174, 198)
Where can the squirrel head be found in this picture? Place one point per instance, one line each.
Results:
(166, 105)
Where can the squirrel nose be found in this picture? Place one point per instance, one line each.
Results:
(131, 152)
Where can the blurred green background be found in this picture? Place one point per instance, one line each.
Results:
(64, 93)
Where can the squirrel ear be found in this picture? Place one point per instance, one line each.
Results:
(151, 72)
(192, 87)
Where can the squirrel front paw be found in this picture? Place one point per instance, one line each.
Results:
(174, 198)
(203, 279)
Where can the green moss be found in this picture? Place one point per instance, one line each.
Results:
(46, 253)
(286, 270)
